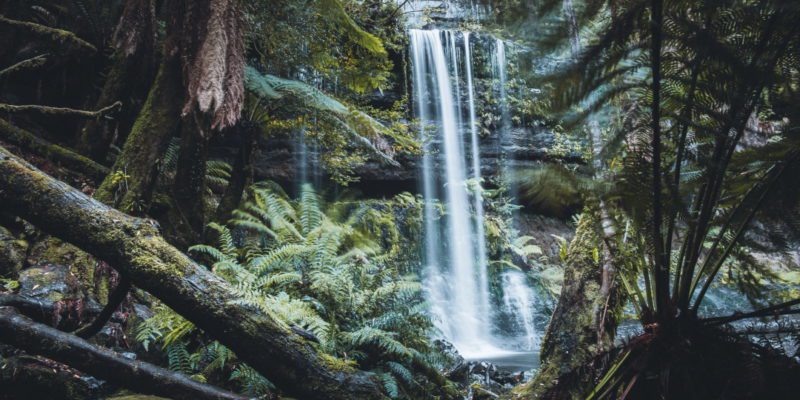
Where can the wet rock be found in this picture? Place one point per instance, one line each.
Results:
(482, 380)
(50, 250)
(53, 282)
(12, 254)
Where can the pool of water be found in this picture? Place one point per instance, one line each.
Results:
(512, 361)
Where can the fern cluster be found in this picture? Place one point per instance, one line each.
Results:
(329, 274)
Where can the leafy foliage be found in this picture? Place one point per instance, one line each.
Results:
(695, 90)
(340, 128)
(323, 271)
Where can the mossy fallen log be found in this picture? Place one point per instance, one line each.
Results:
(53, 152)
(136, 249)
(40, 339)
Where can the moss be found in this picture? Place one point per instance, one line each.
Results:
(81, 264)
(66, 40)
(157, 120)
(12, 254)
(337, 364)
(571, 338)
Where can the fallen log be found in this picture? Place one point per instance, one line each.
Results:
(25, 334)
(53, 152)
(135, 248)
(47, 312)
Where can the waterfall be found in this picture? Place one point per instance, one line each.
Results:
(459, 299)
(483, 262)
(518, 299)
(456, 264)
(500, 66)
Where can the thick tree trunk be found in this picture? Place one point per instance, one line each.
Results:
(130, 189)
(141, 377)
(131, 72)
(98, 135)
(573, 338)
(134, 247)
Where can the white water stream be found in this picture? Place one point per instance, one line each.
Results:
(456, 263)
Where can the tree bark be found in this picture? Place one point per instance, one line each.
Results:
(146, 143)
(189, 186)
(102, 363)
(132, 64)
(98, 135)
(573, 338)
(134, 247)
(241, 176)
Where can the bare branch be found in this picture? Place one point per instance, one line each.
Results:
(114, 300)
(31, 63)
(61, 111)
(66, 39)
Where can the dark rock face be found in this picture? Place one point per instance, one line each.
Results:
(277, 160)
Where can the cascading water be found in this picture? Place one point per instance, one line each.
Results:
(459, 297)
(518, 299)
(483, 262)
(456, 262)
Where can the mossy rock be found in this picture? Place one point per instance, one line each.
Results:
(81, 265)
(12, 254)
(52, 282)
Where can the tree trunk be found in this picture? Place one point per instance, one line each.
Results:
(134, 247)
(98, 134)
(241, 176)
(138, 376)
(130, 187)
(189, 186)
(131, 71)
(572, 339)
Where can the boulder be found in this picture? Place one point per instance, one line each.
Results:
(53, 282)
